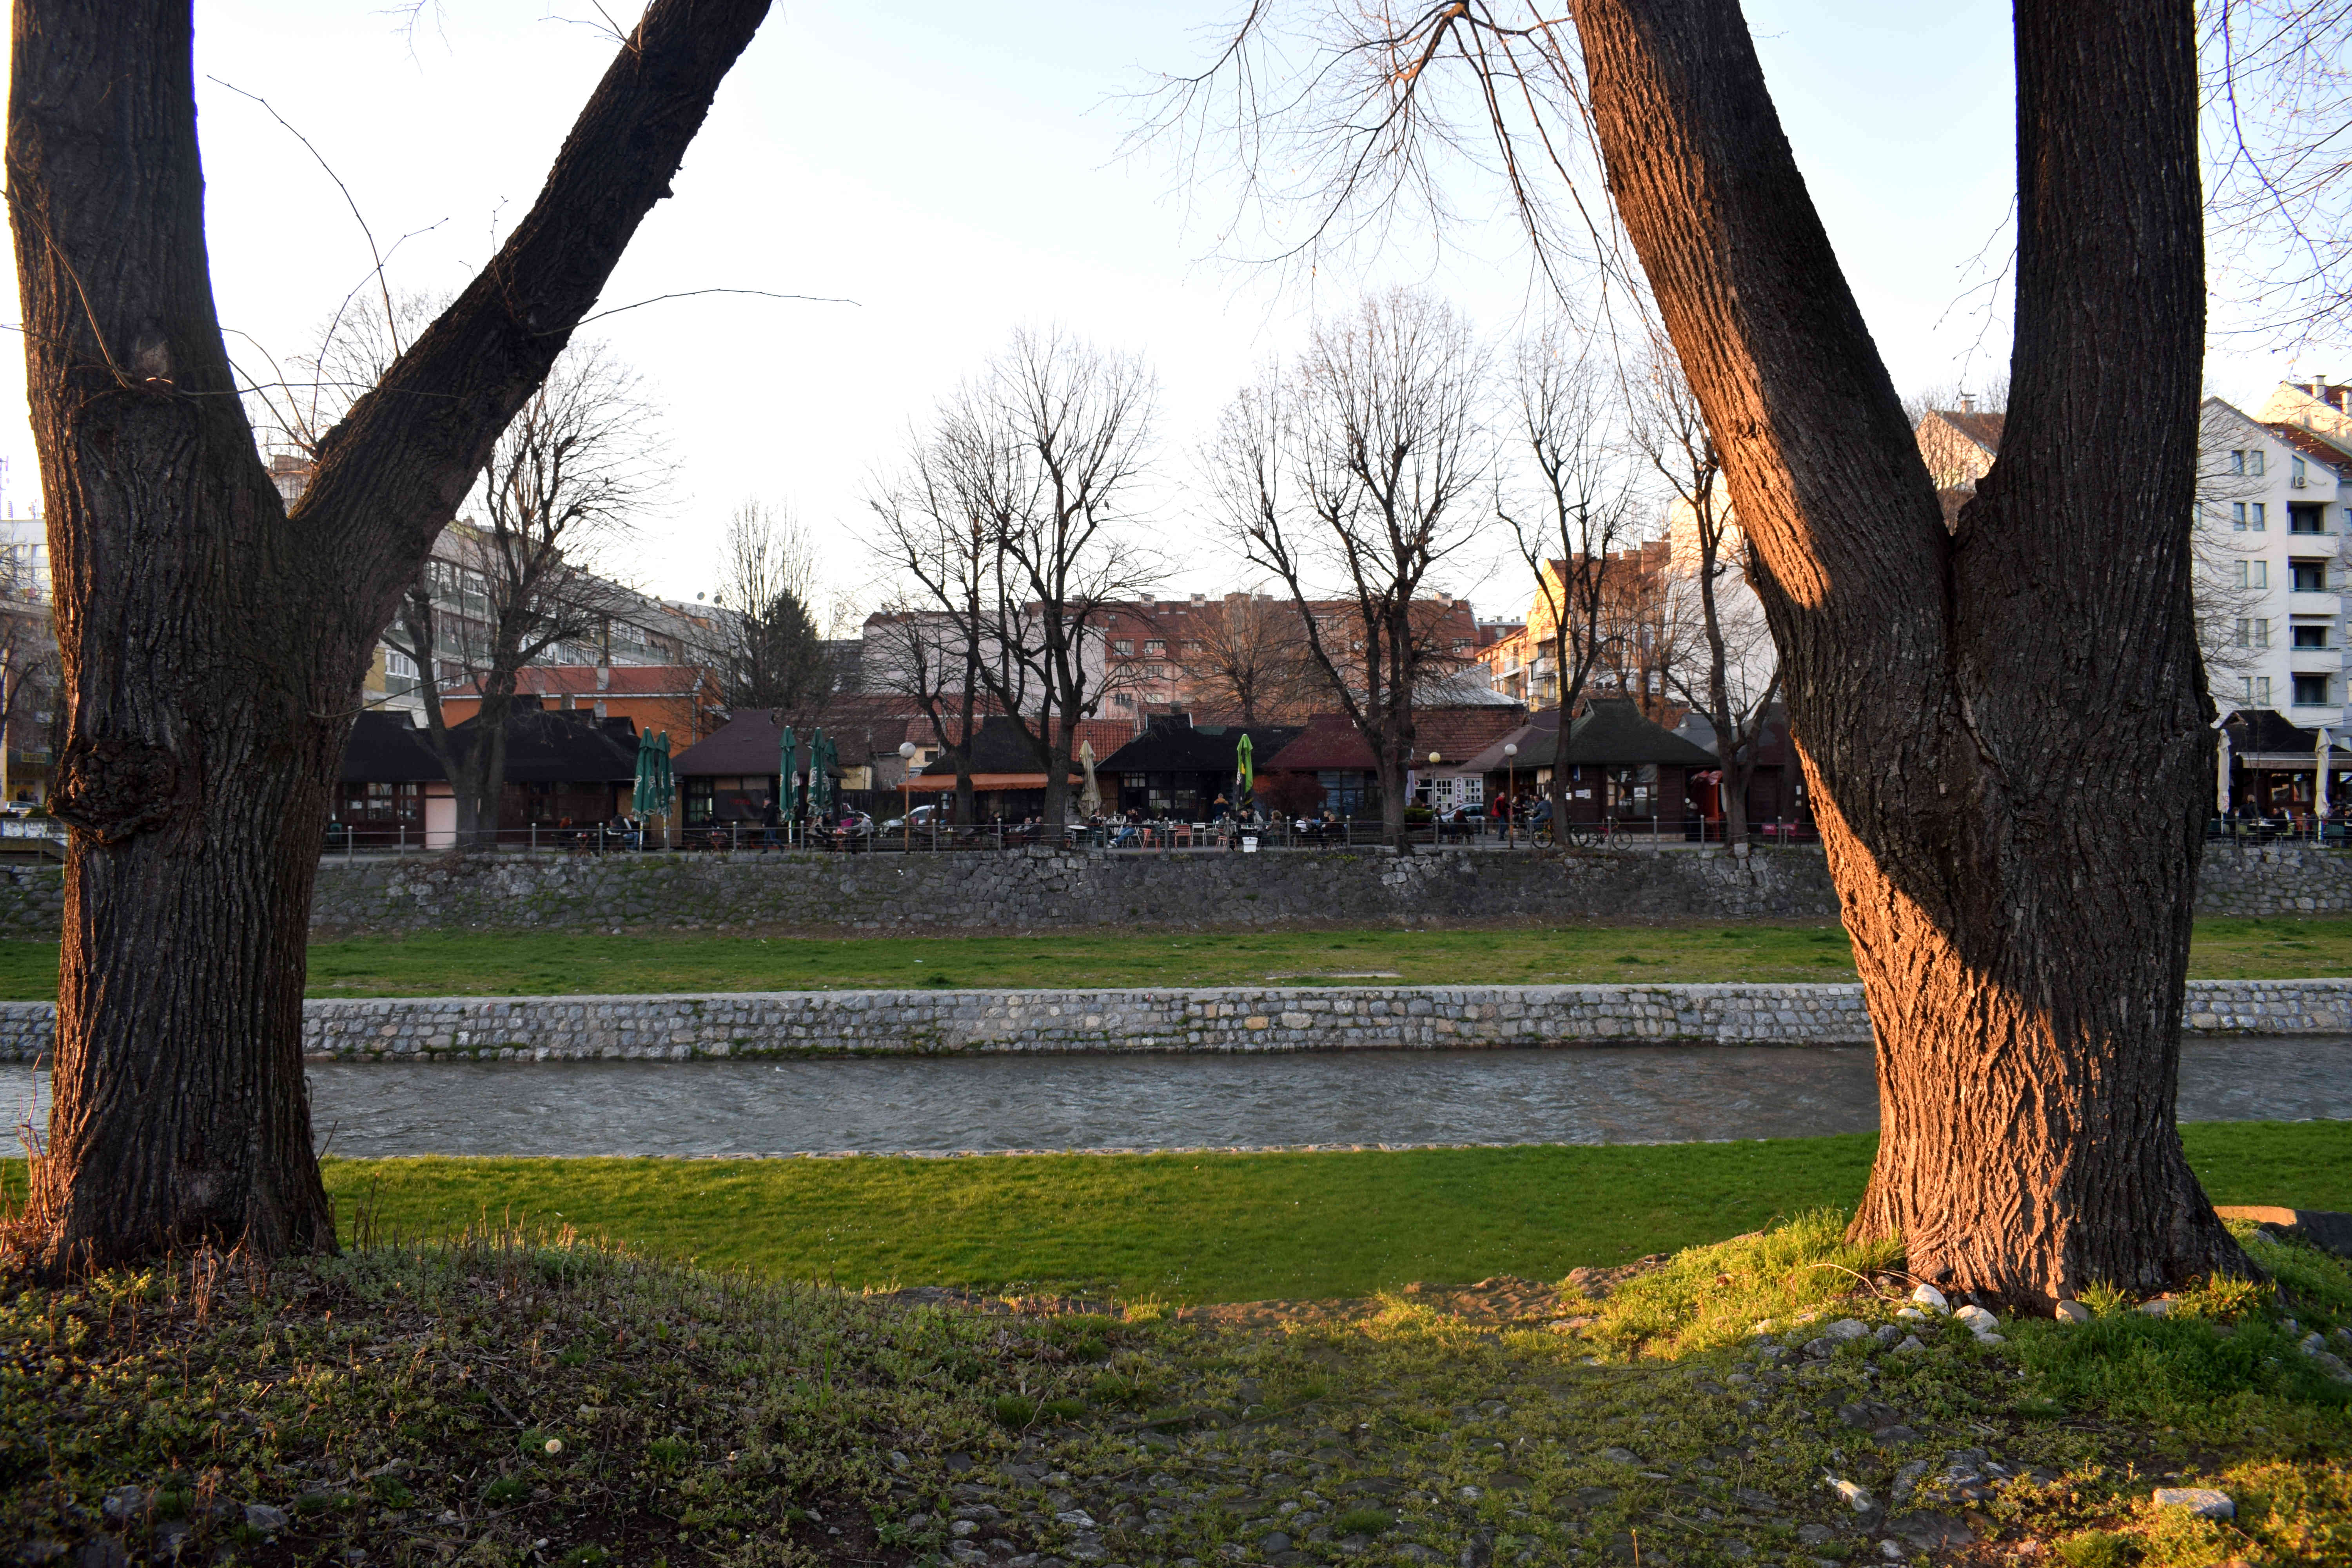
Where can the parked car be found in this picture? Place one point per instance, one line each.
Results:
(921, 820)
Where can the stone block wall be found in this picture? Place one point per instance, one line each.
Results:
(1292, 1018)
(1042, 890)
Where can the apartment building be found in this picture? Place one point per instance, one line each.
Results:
(2273, 493)
(620, 627)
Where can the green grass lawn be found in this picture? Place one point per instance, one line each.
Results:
(1217, 1227)
(549, 964)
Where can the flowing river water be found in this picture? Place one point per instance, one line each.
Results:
(1633, 1094)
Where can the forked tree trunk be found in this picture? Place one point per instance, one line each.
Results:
(1964, 703)
(212, 644)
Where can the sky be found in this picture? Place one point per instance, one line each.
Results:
(957, 172)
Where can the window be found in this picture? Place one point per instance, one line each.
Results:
(1155, 648)
(2258, 690)
(1122, 645)
(2311, 691)
(2238, 516)
(2306, 576)
(2306, 517)
(2254, 574)
(2257, 518)
(1155, 672)
(2310, 636)
(2297, 477)
(2254, 461)
(2238, 461)
(2253, 633)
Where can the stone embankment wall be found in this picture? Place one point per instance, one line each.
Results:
(1298, 1018)
(1043, 890)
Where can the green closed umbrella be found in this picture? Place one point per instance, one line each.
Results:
(821, 760)
(664, 780)
(1244, 756)
(785, 769)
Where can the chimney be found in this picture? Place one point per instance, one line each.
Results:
(1967, 402)
(1199, 598)
(603, 678)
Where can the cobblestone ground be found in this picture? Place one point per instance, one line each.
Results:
(1477, 1427)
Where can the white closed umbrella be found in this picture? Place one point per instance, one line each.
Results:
(2319, 788)
(2221, 770)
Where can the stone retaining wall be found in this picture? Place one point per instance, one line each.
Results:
(1042, 890)
(1238, 1019)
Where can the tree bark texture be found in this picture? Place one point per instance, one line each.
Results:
(1965, 702)
(213, 643)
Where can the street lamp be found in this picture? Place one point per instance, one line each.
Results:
(1511, 792)
(1436, 819)
(906, 796)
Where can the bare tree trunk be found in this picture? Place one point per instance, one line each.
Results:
(1961, 698)
(214, 645)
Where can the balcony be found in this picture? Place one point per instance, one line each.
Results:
(2329, 605)
(2315, 660)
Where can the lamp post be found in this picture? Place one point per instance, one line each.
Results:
(1436, 822)
(1511, 793)
(906, 796)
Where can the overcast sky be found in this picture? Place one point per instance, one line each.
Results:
(955, 170)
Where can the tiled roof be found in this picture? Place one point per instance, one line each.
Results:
(1174, 745)
(545, 745)
(1610, 733)
(1984, 429)
(2312, 444)
(1457, 734)
(1329, 740)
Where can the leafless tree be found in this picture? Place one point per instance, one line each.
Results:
(932, 657)
(2277, 77)
(1012, 521)
(1359, 469)
(772, 650)
(513, 585)
(1726, 667)
(1579, 508)
(211, 683)
(1247, 655)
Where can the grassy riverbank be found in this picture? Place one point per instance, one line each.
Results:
(510, 1400)
(1216, 1227)
(535, 963)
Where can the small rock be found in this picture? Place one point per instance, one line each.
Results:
(1911, 1345)
(1978, 1319)
(267, 1520)
(1855, 1497)
(2203, 1501)
(1077, 1519)
(1933, 1300)
(1911, 1314)
(1891, 1549)
(2334, 1366)
(2157, 1307)
(1276, 1542)
(1619, 1456)
(1887, 1334)
(1931, 1532)
(1469, 1494)
(2072, 1313)
(1820, 1349)
(1846, 1328)
(124, 1502)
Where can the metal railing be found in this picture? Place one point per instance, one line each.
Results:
(365, 840)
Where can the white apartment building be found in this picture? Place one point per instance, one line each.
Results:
(2274, 490)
